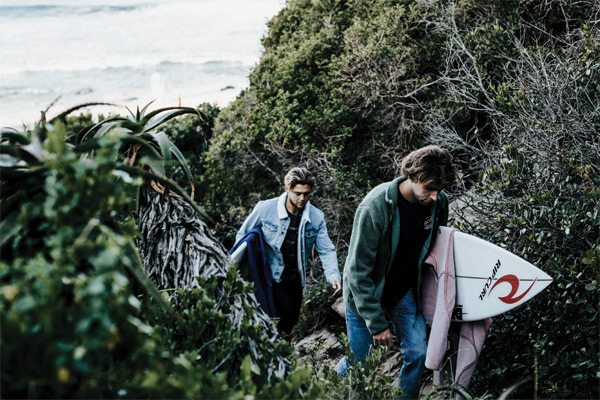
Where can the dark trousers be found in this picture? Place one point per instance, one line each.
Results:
(288, 300)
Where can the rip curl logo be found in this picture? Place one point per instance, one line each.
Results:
(514, 282)
(490, 280)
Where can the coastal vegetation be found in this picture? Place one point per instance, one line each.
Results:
(345, 88)
(511, 88)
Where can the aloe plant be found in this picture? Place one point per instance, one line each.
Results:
(22, 172)
(27, 159)
(146, 150)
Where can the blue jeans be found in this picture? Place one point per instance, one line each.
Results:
(411, 333)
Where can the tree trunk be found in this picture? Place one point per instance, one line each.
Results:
(176, 247)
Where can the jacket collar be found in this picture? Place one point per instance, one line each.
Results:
(393, 191)
(282, 212)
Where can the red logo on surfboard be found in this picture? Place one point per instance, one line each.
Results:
(514, 282)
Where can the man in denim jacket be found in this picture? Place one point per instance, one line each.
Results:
(292, 227)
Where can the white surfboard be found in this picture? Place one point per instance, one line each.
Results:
(491, 280)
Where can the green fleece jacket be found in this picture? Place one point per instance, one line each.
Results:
(373, 244)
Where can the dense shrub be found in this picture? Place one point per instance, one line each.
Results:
(539, 198)
(362, 381)
(80, 318)
(511, 88)
(536, 194)
(345, 88)
(316, 312)
(556, 227)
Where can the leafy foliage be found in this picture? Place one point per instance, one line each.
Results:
(145, 144)
(511, 88)
(362, 381)
(316, 312)
(345, 88)
(68, 306)
(537, 196)
(555, 225)
(79, 316)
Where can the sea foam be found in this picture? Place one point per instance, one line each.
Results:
(127, 52)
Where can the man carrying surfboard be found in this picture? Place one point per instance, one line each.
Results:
(394, 228)
(292, 227)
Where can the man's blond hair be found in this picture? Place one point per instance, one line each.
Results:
(298, 176)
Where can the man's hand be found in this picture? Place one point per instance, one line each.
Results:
(384, 338)
(337, 286)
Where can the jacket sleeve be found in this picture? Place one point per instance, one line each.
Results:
(360, 266)
(327, 254)
(251, 221)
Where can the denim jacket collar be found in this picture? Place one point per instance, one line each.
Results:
(282, 211)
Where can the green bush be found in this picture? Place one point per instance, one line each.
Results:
(68, 307)
(362, 381)
(554, 335)
(537, 196)
(511, 88)
(316, 312)
(80, 318)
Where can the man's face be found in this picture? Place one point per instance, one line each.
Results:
(298, 195)
(424, 193)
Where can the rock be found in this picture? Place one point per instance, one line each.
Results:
(392, 365)
(323, 340)
(339, 307)
(322, 346)
(322, 349)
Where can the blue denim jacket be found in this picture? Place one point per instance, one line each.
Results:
(273, 219)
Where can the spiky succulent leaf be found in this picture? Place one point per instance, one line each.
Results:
(164, 144)
(64, 114)
(169, 113)
(9, 135)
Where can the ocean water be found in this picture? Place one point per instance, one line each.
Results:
(127, 52)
